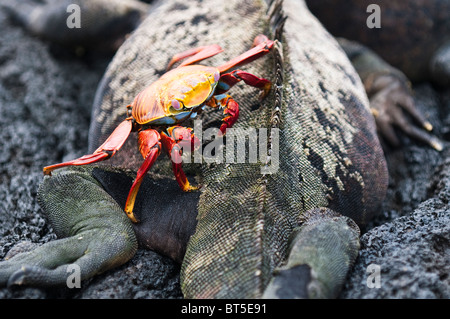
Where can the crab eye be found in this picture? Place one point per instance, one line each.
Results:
(176, 104)
(216, 76)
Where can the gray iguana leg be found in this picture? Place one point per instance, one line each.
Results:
(440, 66)
(85, 207)
(96, 234)
(322, 251)
(390, 95)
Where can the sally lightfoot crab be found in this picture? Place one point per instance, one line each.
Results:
(179, 94)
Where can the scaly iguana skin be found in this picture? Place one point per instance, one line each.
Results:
(297, 223)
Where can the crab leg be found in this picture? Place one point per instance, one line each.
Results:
(174, 142)
(150, 147)
(227, 80)
(112, 144)
(195, 54)
(262, 47)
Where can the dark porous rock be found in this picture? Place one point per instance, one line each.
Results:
(146, 276)
(412, 251)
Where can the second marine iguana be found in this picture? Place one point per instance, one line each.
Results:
(412, 36)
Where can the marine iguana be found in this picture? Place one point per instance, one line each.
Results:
(314, 171)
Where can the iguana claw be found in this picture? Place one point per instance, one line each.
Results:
(389, 97)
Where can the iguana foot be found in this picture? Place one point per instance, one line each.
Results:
(96, 234)
(84, 205)
(51, 264)
(322, 251)
(390, 96)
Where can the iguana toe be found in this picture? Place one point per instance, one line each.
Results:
(19, 277)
